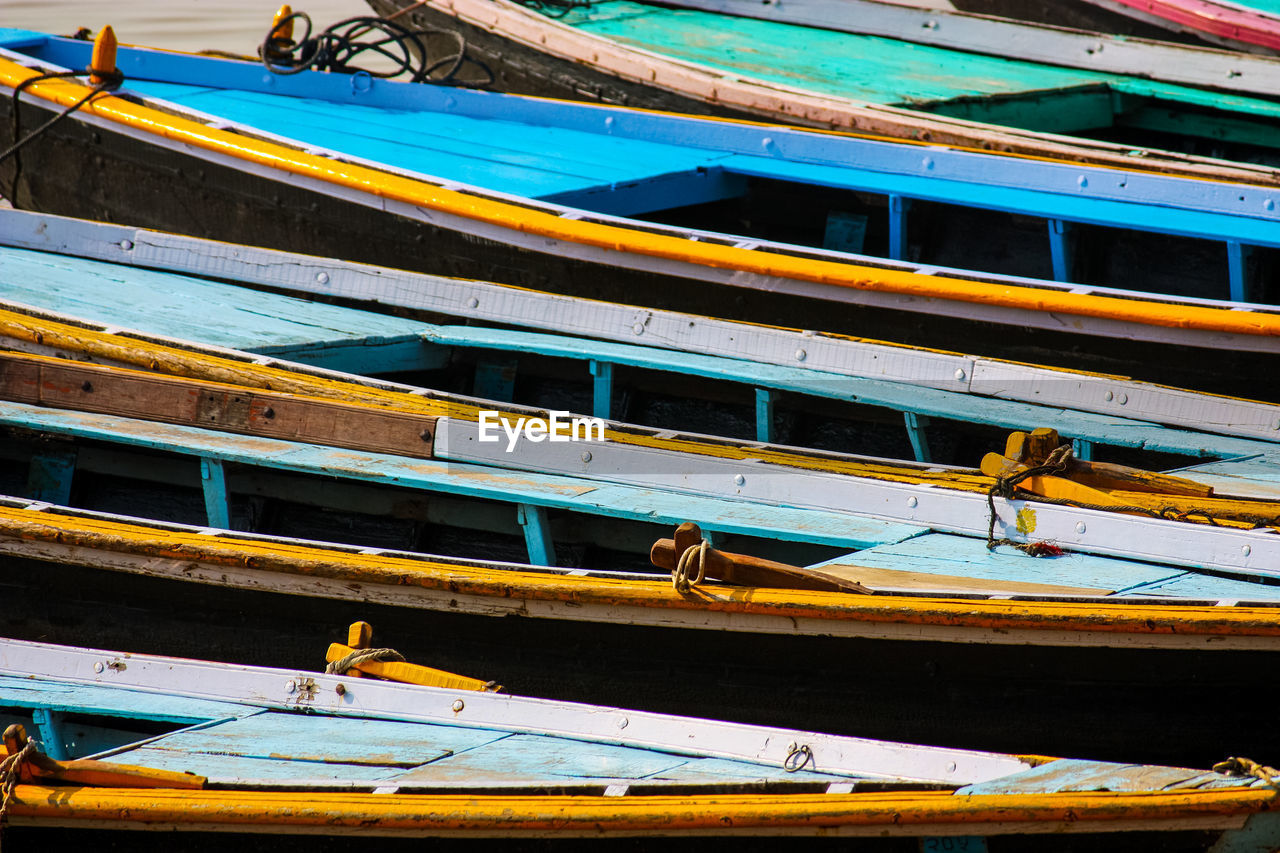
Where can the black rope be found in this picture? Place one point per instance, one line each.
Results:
(342, 45)
(111, 81)
(555, 8)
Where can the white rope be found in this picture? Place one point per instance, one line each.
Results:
(680, 579)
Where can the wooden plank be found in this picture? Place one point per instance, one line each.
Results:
(883, 580)
(946, 556)
(1068, 774)
(91, 388)
(317, 739)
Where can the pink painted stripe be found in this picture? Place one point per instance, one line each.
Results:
(1224, 21)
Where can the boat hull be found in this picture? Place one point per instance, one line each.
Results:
(96, 170)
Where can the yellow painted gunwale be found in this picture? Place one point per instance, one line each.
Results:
(569, 815)
(63, 92)
(22, 525)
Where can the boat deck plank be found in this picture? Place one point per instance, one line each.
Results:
(212, 312)
(1069, 774)
(16, 692)
(1255, 476)
(946, 556)
(551, 491)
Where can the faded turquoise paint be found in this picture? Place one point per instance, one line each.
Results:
(948, 554)
(1101, 429)
(885, 71)
(181, 306)
(28, 693)
(591, 497)
(1069, 774)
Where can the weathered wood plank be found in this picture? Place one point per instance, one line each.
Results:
(57, 383)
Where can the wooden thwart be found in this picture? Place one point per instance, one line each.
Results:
(38, 767)
(57, 383)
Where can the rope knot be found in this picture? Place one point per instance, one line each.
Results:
(1240, 766)
(11, 771)
(342, 665)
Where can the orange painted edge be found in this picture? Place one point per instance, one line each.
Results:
(621, 239)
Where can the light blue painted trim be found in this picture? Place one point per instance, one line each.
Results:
(1008, 414)
(1082, 448)
(573, 494)
(602, 388)
(537, 534)
(1237, 270)
(915, 432)
(899, 208)
(50, 475)
(764, 415)
(217, 502)
(1060, 249)
(52, 737)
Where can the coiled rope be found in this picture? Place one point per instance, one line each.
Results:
(342, 45)
(681, 579)
(10, 771)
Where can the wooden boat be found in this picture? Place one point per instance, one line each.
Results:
(880, 67)
(199, 746)
(273, 455)
(306, 195)
(1249, 26)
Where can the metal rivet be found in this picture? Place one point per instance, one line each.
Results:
(268, 413)
(1124, 398)
(126, 244)
(608, 122)
(86, 386)
(341, 690)
(913, 502)
(1080, 528)
(638, 328)
(322, 277)
(425, 435)
(801, 355)
(960, 373)
(767, 142)
(1246, 550)
(622, 723)
(739, 479)
(1275, 424)
(98, 667)
(1082, 181)
(930, 24)
(1269, 204)
(927, 162)
(458, 705)
(951, 767)
(290, 686)
(473, 303)
(1108, 396)
(586, 456)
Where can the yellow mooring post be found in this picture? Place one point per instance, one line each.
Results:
(103, 63)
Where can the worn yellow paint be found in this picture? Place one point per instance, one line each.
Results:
(407, 673)
(103, 346)
(140, 542)
(582, 815)
(1026, 521)
(622, 239)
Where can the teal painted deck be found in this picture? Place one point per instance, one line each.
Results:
(213, 313)
(945, 554)
(878, 70)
